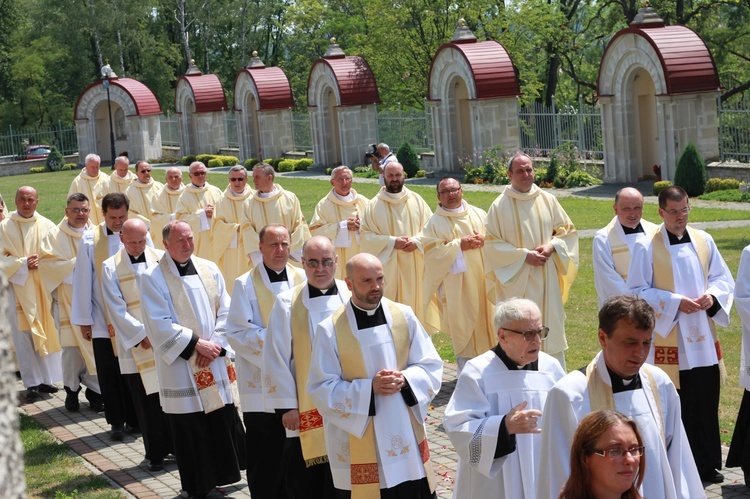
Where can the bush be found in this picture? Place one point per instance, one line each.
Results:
(274, 162)
(540, 176)
(407, 156)
(580, 178)
(69, 166)
(300, 165)
(39, 169)
(205, 158)
(214, 163)
(286, 165)
(722, 184)
(186, 160)
(660, 186)
(731, 196)
(552, 169)
(230, 160)
(421, 174)
(492, 169)
(249, 163)
(691, 172)
(329, 170)
(305, 163)
(55, 160)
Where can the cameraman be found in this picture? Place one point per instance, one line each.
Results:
(384, 156)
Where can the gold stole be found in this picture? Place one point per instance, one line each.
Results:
(620, 250)
(204, 378)
(101, 253)
(665, 349)
(144, 359)
(266, 299)
(311, 433)
(363, 451)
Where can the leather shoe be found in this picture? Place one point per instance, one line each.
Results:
(712, 476)
(156, 465)
(44, 388)
(32, 393)
(118, 431)
(71, 399)
(96, 401)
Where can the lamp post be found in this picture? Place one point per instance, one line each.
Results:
(106, 75)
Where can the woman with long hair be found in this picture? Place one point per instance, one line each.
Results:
(606, 458)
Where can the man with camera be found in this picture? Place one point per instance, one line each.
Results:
(379, 157)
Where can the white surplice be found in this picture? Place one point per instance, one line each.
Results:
(742, 302)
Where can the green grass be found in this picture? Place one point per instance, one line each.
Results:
(53, 470)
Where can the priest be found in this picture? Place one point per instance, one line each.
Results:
(166, 202)
(92, 183)
(196, 207)
(122, 177)
(142, 194)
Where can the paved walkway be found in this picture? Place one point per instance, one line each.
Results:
(85, 432)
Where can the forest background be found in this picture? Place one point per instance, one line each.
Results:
(50, 50)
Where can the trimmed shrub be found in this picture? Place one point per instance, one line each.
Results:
(230, 160)
(300, 165)
(286, 165)
(722, 184)
(730, 196)
(69, 166)
(214, 163)
(205, 158)
(329, 170)
(540, 175)
(552, 170)
(249, 163)
(39, 169)
(186, 160)
(305, 163)
(691, 172)
(421, 174)
(580, 178)
(55, 160)
(660, 186)
(407, 156)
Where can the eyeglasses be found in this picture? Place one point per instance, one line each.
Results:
(529, 335)
(237, 179)
(674, 213)
(200, 174)
(80, 210)
(144, 171)
(619, 452)
(449, 191)
(314, 264)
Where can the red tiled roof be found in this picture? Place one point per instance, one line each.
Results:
(354, 78)
(491, 66)
(143, 98)
(208, 92)
(685, 59)
(274, 90)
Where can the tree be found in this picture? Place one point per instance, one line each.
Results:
(691, 171)
(408, 159)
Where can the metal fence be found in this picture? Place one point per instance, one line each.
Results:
(734, 130)
(170, 131)
(414, 126)
(545, 128)
(301, 132)
(230, 129)
(13, 143)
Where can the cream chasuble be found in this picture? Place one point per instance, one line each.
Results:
(387, 217)
(227, 247)
(329, 220)
(57, 261)
(19, 238)
(163, 208)
(119, 184)
(519, 222)
(455, 279)
(94, 188)
(142, 200)
(190, 209)
(282, 207)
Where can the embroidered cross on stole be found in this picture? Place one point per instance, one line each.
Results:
(363, 452)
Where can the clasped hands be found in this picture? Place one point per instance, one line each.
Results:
(540, 255)
(404, 243)
(472, 241)
(207, 352)
(703, 302)
(388, 382)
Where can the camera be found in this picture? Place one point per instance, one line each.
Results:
(373, 154)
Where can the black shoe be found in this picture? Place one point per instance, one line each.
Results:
(711, 476)
(44, 388)
(32, 393)
(156, 465)
(132, 429)
(96, 401)
(118, 431)
(71, 400)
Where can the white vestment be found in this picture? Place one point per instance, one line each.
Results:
(345, 405)
(119, 184)
(93, 188)
(142, 201)
(670, 469)
(742, 302)
(485, 392)
(607, 280)
(178, 391)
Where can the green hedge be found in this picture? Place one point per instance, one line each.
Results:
(186, 160)
(286, 165)
(214, 163)
(660, 186)
(39, 169)
(249, 163)
(722, 184)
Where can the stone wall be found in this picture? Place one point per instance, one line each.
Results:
(731, 169)
(276, 134)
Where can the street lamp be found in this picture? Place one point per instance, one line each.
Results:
(106, 75)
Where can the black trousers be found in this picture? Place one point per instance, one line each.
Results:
(739, 450)
(699, 397)
(414, 489)
(157, 436)
(118, 404)
(264, 448)
(315, 482)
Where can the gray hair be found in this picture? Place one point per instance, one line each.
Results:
(265, 168)
(513, 310)
(92, 157)
(384, 146)
(195, 163)
(513, 158)
(338, 169)
(166, 231)
(123, 159)
(237, 168)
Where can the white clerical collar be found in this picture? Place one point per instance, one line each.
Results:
(368, 312)
(235, 193)
(75, 229)
(121, 178)
(516, 190)
(174, 190)
(267, 194)
(196, 187)
(346, 198)
(456, 210)
(144, 183)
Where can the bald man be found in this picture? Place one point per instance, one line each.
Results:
(614, 243)
(122, 177)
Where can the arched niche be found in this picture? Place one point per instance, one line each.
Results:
(657, 91)
(341, 98)
(472, 90)
(200, 104)
(135, 120)
(263, 105)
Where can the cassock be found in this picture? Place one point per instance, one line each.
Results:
(491, 462)
(252, 300)
(94, 188)
(228, 249)
(739, 451)
(517, 223)
(142, 202)
(120, 276)
(164, 206)
(377, 438)
(57, 262)
(457, 278)
(286, 359)
(116, 183)
(387, 217)
(329, 220)
(650, 399)
(35, 337)
(611, 253)
(663, 270)
(182, 304)
(191, 209)
(276, 207)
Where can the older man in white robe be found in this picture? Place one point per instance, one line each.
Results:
(197, 207)
(185, 304)
(373, 375)
(142, 194)
(122, 177)
(619, 379)
(92, 182)
(493, 417)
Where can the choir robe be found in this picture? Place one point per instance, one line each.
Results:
(387, 217)
(115, 183)
(57, 262)
(35, 337)
(611, 265)
(739, 450)
(142, 200)
(517, 223)
(670, 469)
(94, 188)
(163, 208)
(485, 392)
(329, 220)
(456, 280)
(227, 247)
(280, 207)
(191, 209)
(345, 405)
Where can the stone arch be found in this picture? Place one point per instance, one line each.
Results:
(184, 108)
